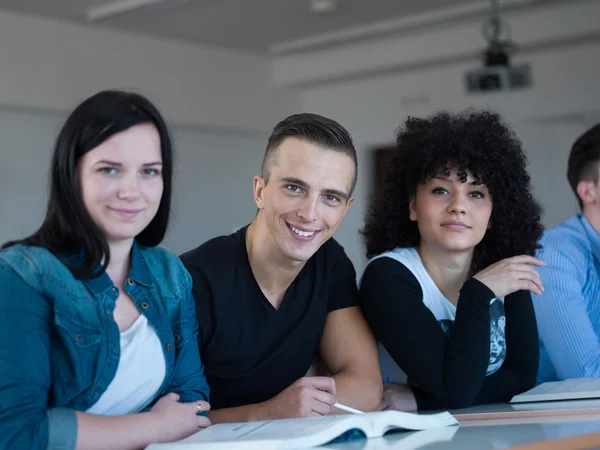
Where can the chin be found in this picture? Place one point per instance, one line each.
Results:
(458, 248)
(300, 255)
(121, 234)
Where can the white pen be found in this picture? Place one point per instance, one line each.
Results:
(347, 408)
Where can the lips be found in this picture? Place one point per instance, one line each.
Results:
(455, 225)
(301, 233)
(127, 213)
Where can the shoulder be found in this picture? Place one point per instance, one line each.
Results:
(565, 243)
(333, 250)
(34, 265)
(217, 252)
(392, 267)
(332, 257)
(165, 266)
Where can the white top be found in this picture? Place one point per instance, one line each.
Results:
(444, 312)
(140, 373)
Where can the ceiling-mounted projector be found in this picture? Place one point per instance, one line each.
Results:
(497, 73)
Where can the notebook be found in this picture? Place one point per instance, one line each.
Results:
(571, 389)
(289, 434)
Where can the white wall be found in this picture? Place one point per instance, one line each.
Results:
(52, 66)
(213, 178)
(371, 106)
(220, 105)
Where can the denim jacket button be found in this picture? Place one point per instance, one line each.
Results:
(169, 346)
(130, 282)
(177, 338)
(77, 337)
(145, 305)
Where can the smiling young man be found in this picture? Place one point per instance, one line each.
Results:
(278, 293)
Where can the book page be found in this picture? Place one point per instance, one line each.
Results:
(272, 430)
(390, 420)
(562, 390)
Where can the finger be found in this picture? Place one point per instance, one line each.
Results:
(203, 422)
(326, 384)
(172, 396)
(322, 409)
(530, 274)
(323, 397)
(205, 406)
(199, 406)
(526, 259)
(526, 285)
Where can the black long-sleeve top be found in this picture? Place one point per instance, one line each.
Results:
(449, 372)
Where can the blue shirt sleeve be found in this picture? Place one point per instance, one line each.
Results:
(25, 330)
(565, 328)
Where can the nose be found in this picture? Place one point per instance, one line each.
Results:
(457, 205)
(128, 187)
(308, 210)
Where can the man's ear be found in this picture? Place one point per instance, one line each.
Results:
(412, 209)
(587, 192)
(348, 203)
(258, 191)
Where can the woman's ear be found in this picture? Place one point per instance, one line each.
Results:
(412, 209)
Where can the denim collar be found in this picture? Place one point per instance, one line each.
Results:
(138, 272)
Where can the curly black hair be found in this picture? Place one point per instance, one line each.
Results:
(476, 140)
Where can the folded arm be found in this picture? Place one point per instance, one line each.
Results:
(448, 372)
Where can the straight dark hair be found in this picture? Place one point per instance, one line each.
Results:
(68, 229)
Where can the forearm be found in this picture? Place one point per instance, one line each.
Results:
(246, 413)
(359, 390)
(519, 370)
(522, 340)
(129, 432)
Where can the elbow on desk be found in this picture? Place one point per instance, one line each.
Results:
(374, 397)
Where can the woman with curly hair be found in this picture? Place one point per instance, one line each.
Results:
(448, 288)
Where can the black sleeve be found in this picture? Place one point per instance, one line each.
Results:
(343, 290)
(203, 298)
(519, 371)
(448, 373)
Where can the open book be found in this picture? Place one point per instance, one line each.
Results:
(288, 434)
(572, 389)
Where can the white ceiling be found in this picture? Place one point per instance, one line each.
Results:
(249, 25)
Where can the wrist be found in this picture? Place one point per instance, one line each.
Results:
(151, 429)
(259, 411)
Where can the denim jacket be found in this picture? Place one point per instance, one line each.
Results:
(60, 345)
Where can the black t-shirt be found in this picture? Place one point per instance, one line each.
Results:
(251, 351)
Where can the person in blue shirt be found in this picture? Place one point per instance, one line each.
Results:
(568, 312)
(97, 324)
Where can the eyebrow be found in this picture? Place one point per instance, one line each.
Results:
(473, 183)
(118, 164)
(305, 185)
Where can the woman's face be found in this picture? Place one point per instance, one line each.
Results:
(121, 182)
(451, 215)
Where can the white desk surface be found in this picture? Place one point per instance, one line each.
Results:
(540, 412)
(480, 437)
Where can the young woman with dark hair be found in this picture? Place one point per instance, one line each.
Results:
(448, 288)
(97, 324)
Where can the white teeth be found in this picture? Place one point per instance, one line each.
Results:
(302, 233)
